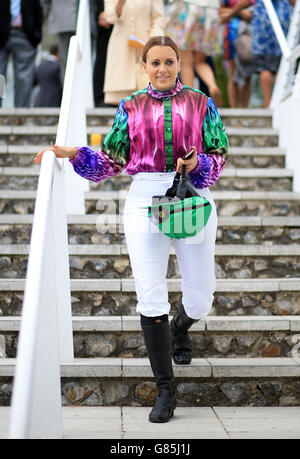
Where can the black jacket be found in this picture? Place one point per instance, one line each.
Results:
(48, 78)
(99, 7)
(32, 18)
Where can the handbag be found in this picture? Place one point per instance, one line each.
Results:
(181, 212)
(243, 43)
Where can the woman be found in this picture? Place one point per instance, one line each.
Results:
(195, 30)
(152, 131)
(237, 97)
(265, 48)
(141, 19)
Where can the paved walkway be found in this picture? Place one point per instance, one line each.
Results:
(188, 423)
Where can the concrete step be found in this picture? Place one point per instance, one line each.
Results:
(214, 336)
(35, 135)
(87, 229)
(207, 422)
(229, 203)
(206, 382)
(255, 157)
(18, 178)
(105, 116)
(232, 261)
(240, 157)
(210, 323)
(231, 179)
(102, 297)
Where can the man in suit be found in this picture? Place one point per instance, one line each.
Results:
(103, 33)
(20, 34)
(48, 79)
(62, 19)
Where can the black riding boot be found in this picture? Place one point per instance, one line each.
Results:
(158, 343)
(181, 345)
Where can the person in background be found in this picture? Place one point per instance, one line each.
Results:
(195, 31)
(62, 18)
(48, 79)
(103, 34)
(139, 19)
(265, 48)
(20, 33)
(237, 97)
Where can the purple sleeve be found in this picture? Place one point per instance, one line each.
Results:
(215, 146)
(95, 166)
(208, 171)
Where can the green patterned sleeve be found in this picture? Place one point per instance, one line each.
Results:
(215, 139)
(116, 144)
(111, 160)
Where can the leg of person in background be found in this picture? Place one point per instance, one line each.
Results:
(63, 47)
(4, 55)
(266, 86)
(245, 93)
(187, 74)
(24, 55)
(233, 90)
(99, 66)
(206, 74)
(202, 86)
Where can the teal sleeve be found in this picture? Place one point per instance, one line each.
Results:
(215, 139)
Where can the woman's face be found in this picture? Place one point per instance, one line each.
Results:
(162, 67)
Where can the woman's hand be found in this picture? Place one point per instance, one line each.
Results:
(246, 15)
(119, 7)
(190, 163)
(60, 152)
(102, 22)
(225, 14)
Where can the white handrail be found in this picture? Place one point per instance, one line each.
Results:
(77, 97)
(290, 48)
(36, 400)
(286, 93)
(46, 338)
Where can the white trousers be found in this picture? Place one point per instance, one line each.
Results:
(149, 251)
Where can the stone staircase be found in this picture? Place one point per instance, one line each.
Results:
(245, 351)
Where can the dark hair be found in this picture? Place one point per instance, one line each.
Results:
(53, 50)
(161, 40)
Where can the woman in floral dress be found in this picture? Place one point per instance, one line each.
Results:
(237, 97)
(195, 30)
(265, 48)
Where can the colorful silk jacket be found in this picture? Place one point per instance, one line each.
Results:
(152, 129)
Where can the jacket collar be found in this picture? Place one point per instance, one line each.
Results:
(158, 94)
